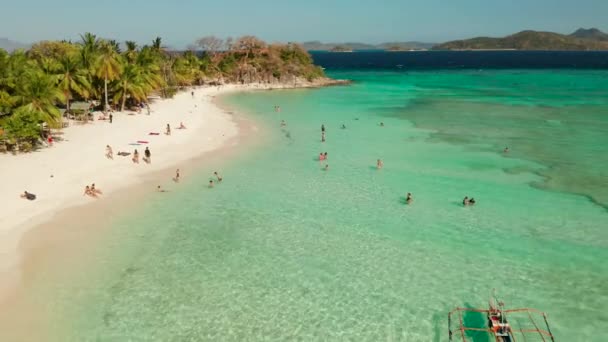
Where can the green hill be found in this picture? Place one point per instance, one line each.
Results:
(530, 40)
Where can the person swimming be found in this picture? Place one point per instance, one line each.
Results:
(472, 201)
(219, 179)
(343, 126)
(283, 123)
(382, 124)
(506, 150)
(409, 199)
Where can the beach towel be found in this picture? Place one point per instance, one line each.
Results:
(142, 141)
(153, 133)
(134, 144)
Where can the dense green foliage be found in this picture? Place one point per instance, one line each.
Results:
(34, 84)
(527, 40)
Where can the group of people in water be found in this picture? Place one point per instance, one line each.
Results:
(380, 164)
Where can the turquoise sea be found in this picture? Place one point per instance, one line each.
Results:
(283, 250)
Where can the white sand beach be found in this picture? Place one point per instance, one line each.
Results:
(57, 175)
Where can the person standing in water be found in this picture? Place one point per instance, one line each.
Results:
(176, 179)
(506, 150)
(326, 167)
(409, 199)
(322, 128)
(322, 136)
(465, 201)
(211, 183)
(379, 164)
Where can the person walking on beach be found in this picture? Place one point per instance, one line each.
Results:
(109, 152)
(168, 131)
(192, 94)
(176, 179)
(379, 164)
(111, 117)
(135, 157)
(148, 156)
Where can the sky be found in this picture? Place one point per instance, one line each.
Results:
(180, 22)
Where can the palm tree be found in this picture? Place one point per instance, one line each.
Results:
(71, 78)
(131, 53)
(107, 67)
(90, 47)
(130, 84)
(38, 93)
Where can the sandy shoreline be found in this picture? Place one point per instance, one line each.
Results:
(80, 160)
(25, 226)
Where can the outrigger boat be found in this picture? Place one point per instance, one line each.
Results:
(499, 327)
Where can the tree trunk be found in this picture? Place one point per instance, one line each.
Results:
(105, 87)
(124, 97)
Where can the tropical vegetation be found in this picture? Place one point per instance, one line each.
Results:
(38, 86)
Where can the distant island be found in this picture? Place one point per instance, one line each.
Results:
(340, 49)
(581, 39)
(389, 46)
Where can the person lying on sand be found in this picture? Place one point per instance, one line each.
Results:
(159, 189)
(123, 154)
(28, 196)
(181, 126)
